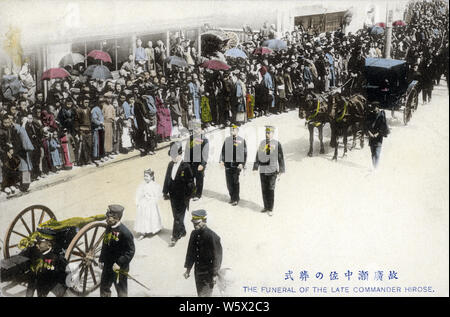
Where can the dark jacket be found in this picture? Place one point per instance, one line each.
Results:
(182, 187)
(141, 112)
(205, 251)
(196, 153)
(66, 119)
(118, 247)
(376, 123)
(46, 271)
(234, 152)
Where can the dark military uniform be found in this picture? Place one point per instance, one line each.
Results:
(47, 269)
(205, 251)
(234, 152)
(196, 154)
(376, 124)
(118, 247)
(270, 161)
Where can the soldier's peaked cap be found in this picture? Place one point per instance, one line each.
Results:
(116, 210)
(46, 234)
(199, 214)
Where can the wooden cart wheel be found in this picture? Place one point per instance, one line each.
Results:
(83, 256)
(25, 223)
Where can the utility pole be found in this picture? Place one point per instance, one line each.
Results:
(388, 32)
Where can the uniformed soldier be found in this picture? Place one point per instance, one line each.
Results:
(48, 266)
(270, 161)
(196, 154)
(117, 252)
(233, 157)
(205, 251)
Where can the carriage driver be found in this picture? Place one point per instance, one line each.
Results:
(48, 266)
(117, 252)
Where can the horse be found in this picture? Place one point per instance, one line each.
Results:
(347, 118)
(316, 111)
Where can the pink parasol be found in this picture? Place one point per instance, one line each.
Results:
(262, 51)
(53, 73)
(103, 56)
(215, 64)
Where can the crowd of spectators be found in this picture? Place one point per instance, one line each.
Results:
(86, 121)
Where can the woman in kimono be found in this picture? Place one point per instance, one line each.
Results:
(241, 93)
(164, 121)
(148, 218)
(54, 147)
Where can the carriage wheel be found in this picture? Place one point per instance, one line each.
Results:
(25, 223)
(83, 256)
(407, 113)
(415, 99)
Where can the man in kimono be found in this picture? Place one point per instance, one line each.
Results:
(205, 252)
(267, 83)
(233, 157)
(117, 252)
(150, 137)
(240, 104)
(194, 90)
(150, 51)
(128, 110)
(196, 154)
(142, 113)
(140, 55)
(109, 115)
(98, 132)
(35, 131)
(178, 187)
(23, 148)
(270, 162)
(83, 134)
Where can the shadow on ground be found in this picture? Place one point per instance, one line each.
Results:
(225, 198)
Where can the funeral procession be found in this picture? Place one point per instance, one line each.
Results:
(224, 148)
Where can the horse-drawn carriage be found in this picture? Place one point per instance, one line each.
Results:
(388, 84)
(80, 239)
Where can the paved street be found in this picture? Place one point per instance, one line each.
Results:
(329, 216)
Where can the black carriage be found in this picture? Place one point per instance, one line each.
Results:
(387, 83)
(79, 239)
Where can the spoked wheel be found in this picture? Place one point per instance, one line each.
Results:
(413, 99)
(407, 111)
(83, 256)
(25, 223)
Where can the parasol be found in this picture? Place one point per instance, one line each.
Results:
(177, 61)
(215, 65)
(54, 73)
(71, 59)
(98, 72)
(262, 51)
(236, 53)
(100, 55)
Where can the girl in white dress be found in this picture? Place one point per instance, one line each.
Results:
(148, 218)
